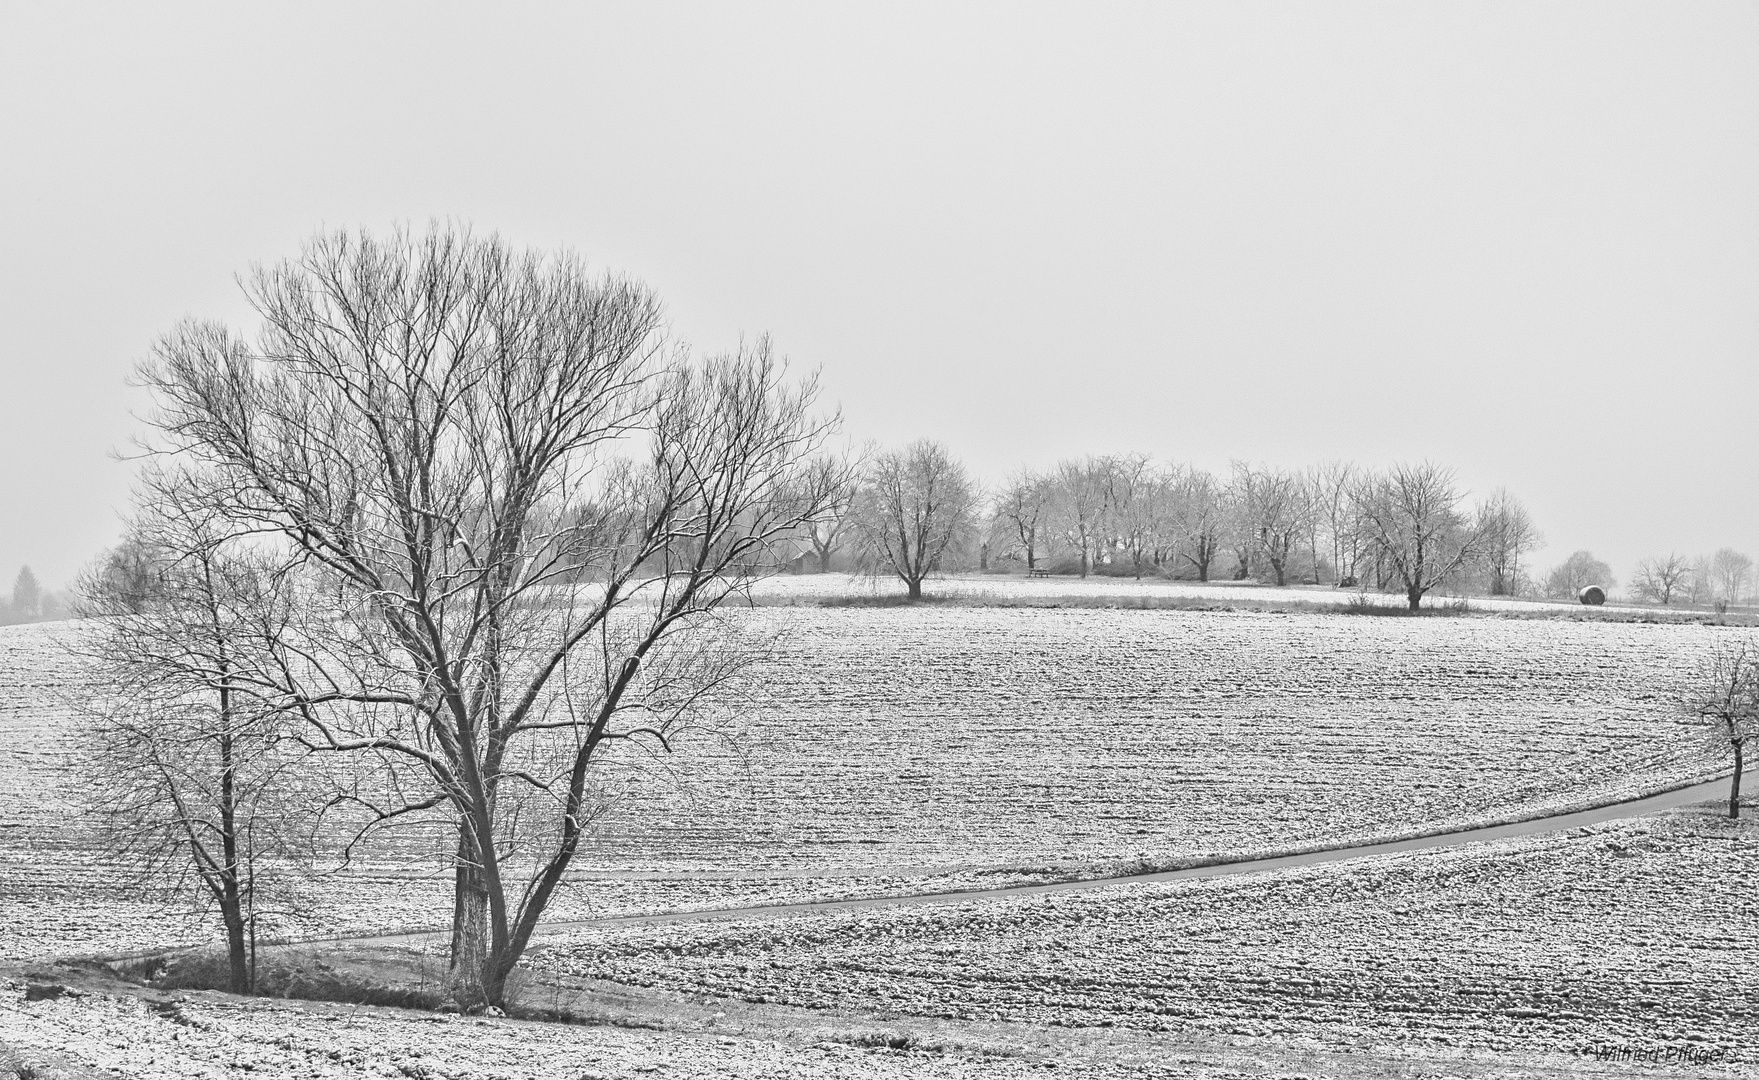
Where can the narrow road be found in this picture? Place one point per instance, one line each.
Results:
(1649, 804)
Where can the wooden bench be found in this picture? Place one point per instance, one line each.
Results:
(1038, 571)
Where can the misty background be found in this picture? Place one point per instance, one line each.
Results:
(1518, 239)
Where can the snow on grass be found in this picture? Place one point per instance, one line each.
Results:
(209, 1036)
(1638, 934)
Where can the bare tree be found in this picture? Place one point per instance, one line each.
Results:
(1166, 518)
(1567, 579)
(831, 530)
(1273, 513)
(1082, 487)
(1725, 699)
(1334, 515)
(192, 775)
(494, 594)
(1412, 512)
(1200, 518)
(1731, 573)
(1662, 577)
(919, 502)
(1239, 527)
(1022, 507)
(127, 576)
(1507, 532)
(1135, 495)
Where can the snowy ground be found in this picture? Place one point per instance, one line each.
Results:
(817, 588)
(1636, 934)
(888, 750)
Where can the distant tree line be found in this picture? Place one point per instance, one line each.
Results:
(1406, 528)
(1720, 579)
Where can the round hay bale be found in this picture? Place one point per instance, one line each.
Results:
(1593, 594)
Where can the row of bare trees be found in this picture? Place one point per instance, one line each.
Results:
(1725, 577)
(916, 509)
(1405, 527)
(448, 530)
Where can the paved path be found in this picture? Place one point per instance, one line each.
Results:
(1667, 800)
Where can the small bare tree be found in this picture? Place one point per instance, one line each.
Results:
(1273, 511)
(190, 773)
(1663, 577)
(830, 531)
(1331, 485)
(127, 576)
(919, 503)
(1081, 508)
(1732, 574)
(1568, 578)
(1506, 532)
(1413, 514)
(1200, 519)
(1725, 699)
(1136, 495)
(1022, 507)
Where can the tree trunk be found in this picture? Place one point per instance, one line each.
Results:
(1031, 560)
(236, 953)
(468, 985)
(1734, 791)
(1414, 596)
(915, 592)
(468, 979)
(460, 886)
(824, 562)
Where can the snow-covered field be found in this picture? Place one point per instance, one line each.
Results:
(902, 749)
(817, 588)
(1026, 737)
(1638, 934)
(888, 750)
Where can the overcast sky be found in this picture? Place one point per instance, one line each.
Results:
(1520, 239)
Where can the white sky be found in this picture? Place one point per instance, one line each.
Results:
(1522, 239)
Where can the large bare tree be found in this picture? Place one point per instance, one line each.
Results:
(918, 503)
(513, 513)
(1412, 513)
